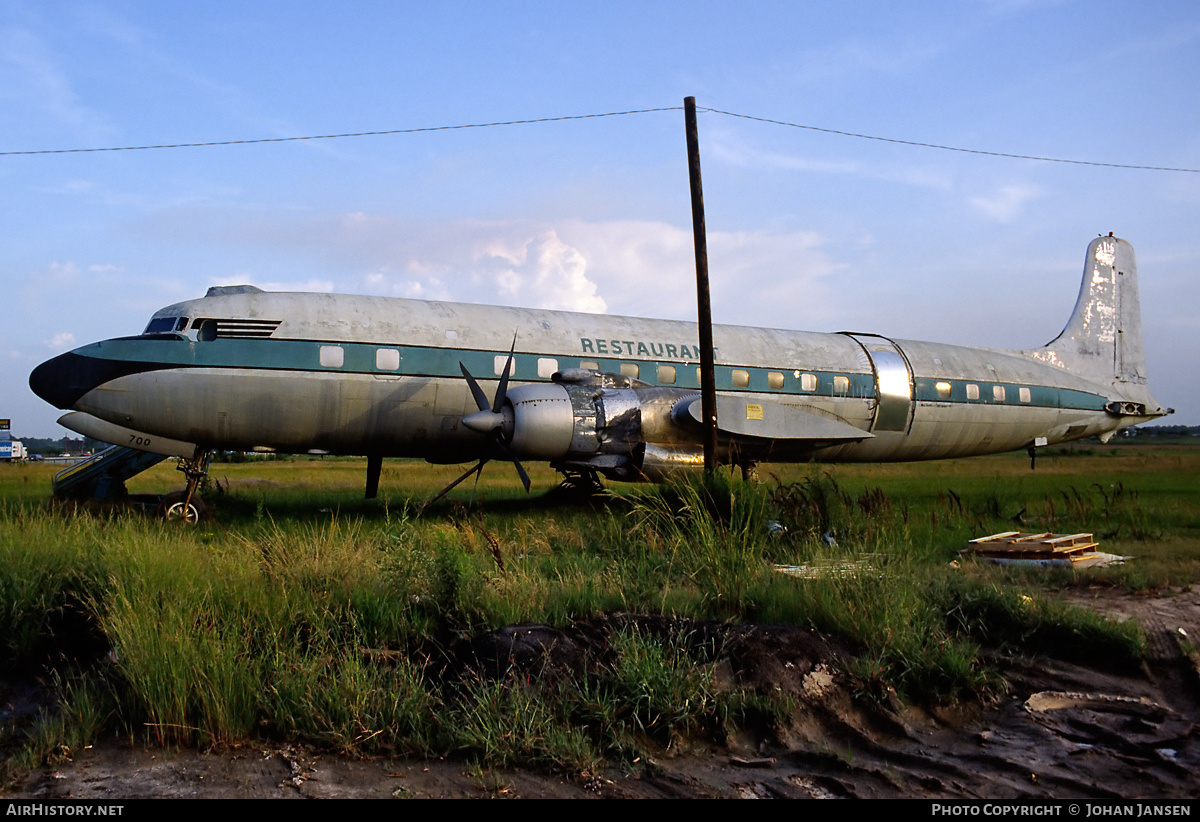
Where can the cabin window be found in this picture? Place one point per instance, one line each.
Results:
(972, 391)
(666, 375)
(741, 378)
(808, 382)
(546, 367)
(332, 356)
(841, 385)
(629, 369)
(387, 359)
(1024, 394)
(998, 393)
(943, 390)
(498, 363)
(775, 380)
(589, 365)
(208, 330)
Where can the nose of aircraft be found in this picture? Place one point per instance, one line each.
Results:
(61, 381)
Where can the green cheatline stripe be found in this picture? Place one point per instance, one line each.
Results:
(420, 361)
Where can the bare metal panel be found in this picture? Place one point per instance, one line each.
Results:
(895, 391)
(893, 382)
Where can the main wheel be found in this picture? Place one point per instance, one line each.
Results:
(172, 508)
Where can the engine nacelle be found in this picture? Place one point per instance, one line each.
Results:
(543, 421)
(592, 420)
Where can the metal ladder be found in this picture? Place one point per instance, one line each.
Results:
(102, 476)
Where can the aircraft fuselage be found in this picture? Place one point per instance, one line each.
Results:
(243, 369)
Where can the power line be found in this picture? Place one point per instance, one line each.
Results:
(339, 136)
(1007, 155)
(952, 148)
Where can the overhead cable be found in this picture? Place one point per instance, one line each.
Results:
(339, 136)
(952, 148)
(1003, 154)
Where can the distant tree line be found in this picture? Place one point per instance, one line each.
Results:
(1164, 431)
(65, 445)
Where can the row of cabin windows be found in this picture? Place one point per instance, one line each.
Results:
(740, 377)
(388, 359)
(998, 392)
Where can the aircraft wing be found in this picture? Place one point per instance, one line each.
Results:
(761, 419)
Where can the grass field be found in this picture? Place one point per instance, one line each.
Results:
(299, 611)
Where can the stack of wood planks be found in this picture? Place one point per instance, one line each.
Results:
(1047, 548)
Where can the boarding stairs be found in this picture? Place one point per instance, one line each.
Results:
(102, 476)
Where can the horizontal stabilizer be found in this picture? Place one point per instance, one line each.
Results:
(98, 429)
(741, 417)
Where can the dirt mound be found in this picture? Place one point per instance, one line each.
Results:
(1062, 730)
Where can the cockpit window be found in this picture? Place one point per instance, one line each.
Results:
(165, 325)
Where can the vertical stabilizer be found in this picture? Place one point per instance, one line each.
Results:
(1103, 338)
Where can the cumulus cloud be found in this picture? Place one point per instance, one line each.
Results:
(633, 267)
(544, 272)
(61, 340)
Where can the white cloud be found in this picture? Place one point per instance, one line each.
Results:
(1005, 203)
(318, 285)
(31, 74)
(61, 340)
(631, 267)
(737, 153)
(735, 150)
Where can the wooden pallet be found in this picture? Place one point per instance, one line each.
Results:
(1014, 545)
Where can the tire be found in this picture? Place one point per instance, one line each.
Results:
(171, 508)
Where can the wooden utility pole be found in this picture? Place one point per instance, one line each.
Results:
(708, 382)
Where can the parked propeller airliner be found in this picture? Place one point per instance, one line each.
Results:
(592, 394)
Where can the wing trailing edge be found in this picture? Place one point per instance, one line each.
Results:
(759, 419)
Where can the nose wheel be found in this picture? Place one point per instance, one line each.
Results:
(186, 505)
(176, 507)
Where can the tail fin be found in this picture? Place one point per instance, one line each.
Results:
(1103, 339)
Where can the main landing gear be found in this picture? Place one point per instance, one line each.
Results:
(580, 482)
(186, 505)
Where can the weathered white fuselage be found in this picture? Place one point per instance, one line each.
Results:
(295, 372)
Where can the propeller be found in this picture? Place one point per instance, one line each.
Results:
(490, 420)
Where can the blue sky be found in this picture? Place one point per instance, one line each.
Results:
(806, 230)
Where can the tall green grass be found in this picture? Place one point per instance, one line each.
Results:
(304, 613)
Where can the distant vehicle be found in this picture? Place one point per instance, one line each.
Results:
(12, 450)
(244, 369)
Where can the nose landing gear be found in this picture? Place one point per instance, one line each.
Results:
(186, 505)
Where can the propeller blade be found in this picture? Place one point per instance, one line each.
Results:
(475, 469)
(502, 389)
(481, 401)
(508, 454)
(521, 473)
